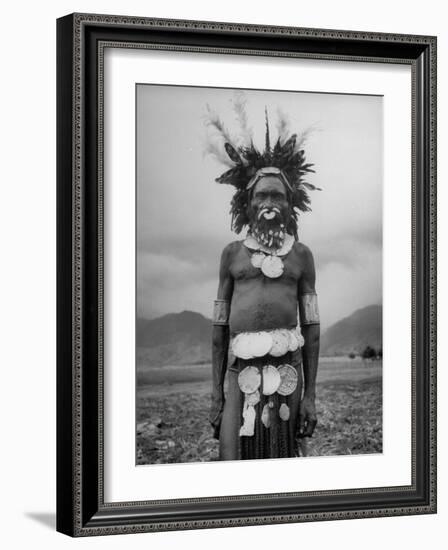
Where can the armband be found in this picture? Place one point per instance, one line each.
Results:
(308, 309)
(221, 310)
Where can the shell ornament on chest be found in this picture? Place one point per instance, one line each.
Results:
(267, 260)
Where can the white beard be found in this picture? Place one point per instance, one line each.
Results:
(273, 237)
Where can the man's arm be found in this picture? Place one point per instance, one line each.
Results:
(310, 327)
(220, 339)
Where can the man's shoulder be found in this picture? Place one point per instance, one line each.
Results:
(232, 248)
(302, 249)
(304, 257)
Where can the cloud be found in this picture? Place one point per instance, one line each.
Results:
(348, 250)
(342, 289)
(169, 272)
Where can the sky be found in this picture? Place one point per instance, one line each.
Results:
(183, 220)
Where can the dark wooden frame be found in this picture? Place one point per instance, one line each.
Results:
(81, 510)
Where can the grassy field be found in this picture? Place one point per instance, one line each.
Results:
(173, 404)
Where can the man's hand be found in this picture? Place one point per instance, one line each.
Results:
(215, 416)
(307, 417)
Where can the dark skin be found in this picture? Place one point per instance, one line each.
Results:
(260, 303)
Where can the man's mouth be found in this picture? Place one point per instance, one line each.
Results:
(269, 213)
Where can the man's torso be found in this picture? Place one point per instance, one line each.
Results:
(259, 302)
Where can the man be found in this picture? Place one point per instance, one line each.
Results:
(266, 310)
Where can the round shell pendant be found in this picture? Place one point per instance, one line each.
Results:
(260, 343)
(289, 378)
(284, 412)
(249, 380)
(257, 259)
(240, 346)
(271, 380)
(266, 417)
(280, 343)
(272, 267)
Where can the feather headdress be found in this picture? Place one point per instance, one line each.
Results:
(245, 160)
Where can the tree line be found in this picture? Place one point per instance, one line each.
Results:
(369, 352)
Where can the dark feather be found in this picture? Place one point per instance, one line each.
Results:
(310, 186)
(307, 168)
(288, 146)
(233, 153)
(267, 137)
(250, 154)
(277, 149)
(227, 176)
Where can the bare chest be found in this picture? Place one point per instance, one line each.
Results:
(243, 270)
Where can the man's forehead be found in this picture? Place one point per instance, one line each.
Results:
(270, 183)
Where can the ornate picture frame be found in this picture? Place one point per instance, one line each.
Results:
(81, 506)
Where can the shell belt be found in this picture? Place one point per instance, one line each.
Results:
(248, 345)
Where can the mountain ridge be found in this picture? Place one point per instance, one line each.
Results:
(353, 333)
(174, 339)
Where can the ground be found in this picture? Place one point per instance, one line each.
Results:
(173, 403)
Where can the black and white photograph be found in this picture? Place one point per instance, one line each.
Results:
(258, 274)
(221, 249)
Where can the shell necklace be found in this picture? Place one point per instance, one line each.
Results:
(266, 259)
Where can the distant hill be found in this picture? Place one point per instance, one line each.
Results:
(354, 333)
(174, 339)
(185, 338)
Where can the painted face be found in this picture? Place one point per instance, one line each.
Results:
(269, 210)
